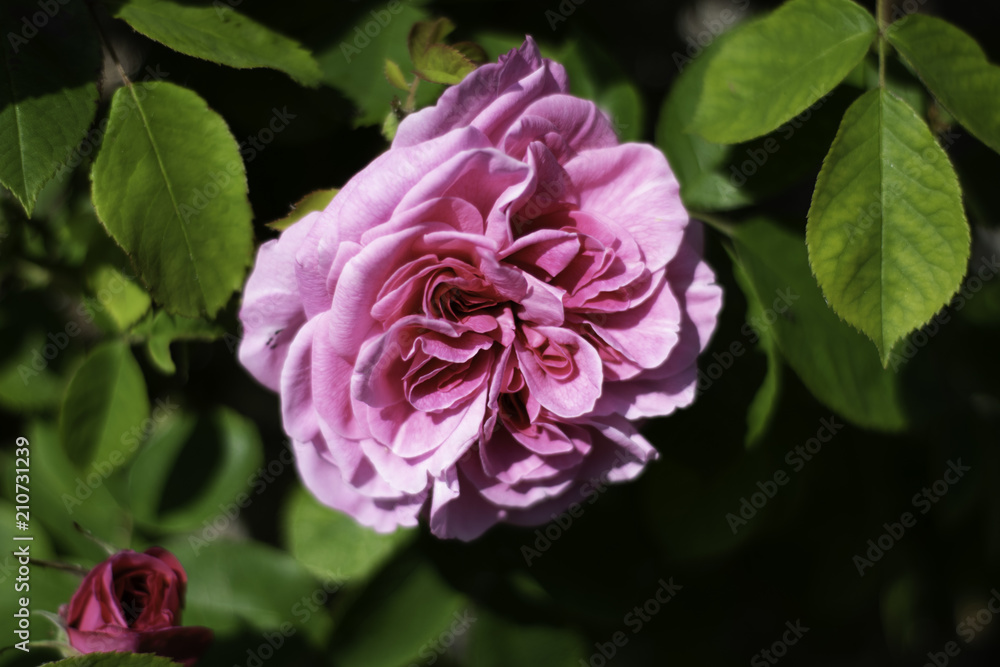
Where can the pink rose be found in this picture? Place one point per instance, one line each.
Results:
(132, 603)
(468, 328)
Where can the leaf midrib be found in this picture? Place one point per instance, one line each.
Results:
(170, 191)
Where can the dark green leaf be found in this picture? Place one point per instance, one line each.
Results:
(773, 68)
(234, 585)
(171, 189)
(887, 235)
(833, 360)
(497, 642)
(228, 439)
(412, 599)
(333, 545)
(765, 403)
(955, 69)
(48, 93)
(220, 34)
(104, 402)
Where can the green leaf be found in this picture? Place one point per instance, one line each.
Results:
(412, 599)
(887, 235)
(170, 187)
(765, 403)
(48, 93)
(105, 400)
(117, 295)
(355, 62)
(954, 67)
(833, 360)
(314, 201)
(773, 68)
(700, 165)
(443, 64)
(161, 329)
(115, 660)
(333, 545)
(233, 585)
(395, 76)
(425, 34)
(228, 450)
(220, 34)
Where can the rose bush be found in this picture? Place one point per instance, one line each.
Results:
(132, 603)
(466, 332)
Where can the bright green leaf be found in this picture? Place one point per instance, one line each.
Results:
(955, 69)
(227, 440)
(161, 329)
(115, 660)
(425, 34)
(887, 235)
(314, 201)
(443, 64)
(48, 94)
(105, 401)
(171, 189)
(220, 34)
(773, 68)
(123, 300)
(833, 360)
(332, 544)
(395, 76)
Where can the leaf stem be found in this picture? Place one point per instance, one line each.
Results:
(714, 222)
(411, 99)
(106, 42)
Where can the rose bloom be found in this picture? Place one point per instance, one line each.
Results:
(132, 603)
(466, 332)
